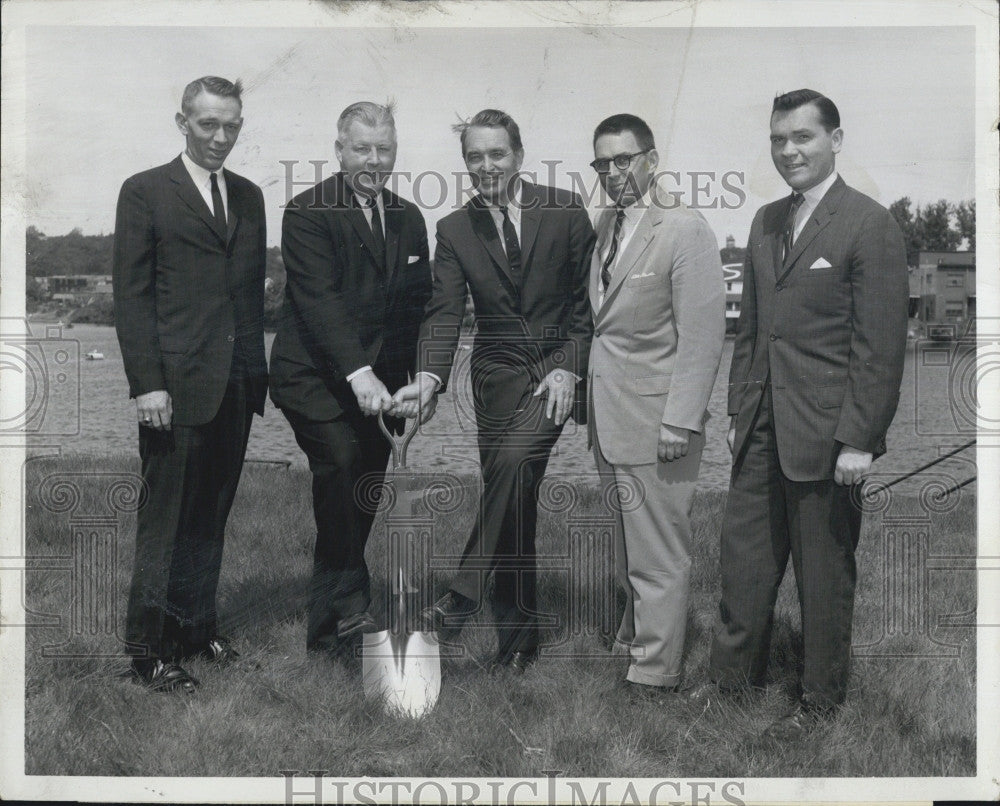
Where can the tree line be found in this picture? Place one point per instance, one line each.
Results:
(937, 226)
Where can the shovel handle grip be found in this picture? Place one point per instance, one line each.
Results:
(398, 446)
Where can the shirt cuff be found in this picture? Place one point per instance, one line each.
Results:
(357, 372)
(430, 375)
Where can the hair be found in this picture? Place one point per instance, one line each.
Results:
(829, 115)
(211, 84)
(492, 118)
(616, 124)
(366, 112)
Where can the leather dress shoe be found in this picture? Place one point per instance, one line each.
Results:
(797, 722)
(356, 625)
(703, 694)
(448, 614)
(160, 676)
(219, 651)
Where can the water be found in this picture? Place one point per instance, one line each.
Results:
(82, 406)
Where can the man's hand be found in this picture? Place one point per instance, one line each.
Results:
(673, 443)
(416, 398)
(560, 386)
(371, 393)
(731, 436)
(155, 409)
(852, 465)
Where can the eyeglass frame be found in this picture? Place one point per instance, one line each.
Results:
(617, 157)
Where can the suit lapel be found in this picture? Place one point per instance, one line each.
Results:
(237, 207)
(188, 193)
(486, 230)
(644, 233)
(357, 218)
(393, 227)
(822, 215)
(531, 219)
(604, 224)
(637, 244)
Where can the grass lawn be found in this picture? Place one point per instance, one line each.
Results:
(910, 709)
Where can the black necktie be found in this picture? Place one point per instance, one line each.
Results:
(217, 208)
(788, 235)
(377, 233)
(606, 268)
(512, 246)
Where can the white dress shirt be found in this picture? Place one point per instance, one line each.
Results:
(203, 181)
(810, 201)
(513, 213)
(363, 204)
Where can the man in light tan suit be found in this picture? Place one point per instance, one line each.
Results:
(658, 298)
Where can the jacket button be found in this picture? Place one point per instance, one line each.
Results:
(779, 287)
(773, 337)
(231, 338)
(597, 334)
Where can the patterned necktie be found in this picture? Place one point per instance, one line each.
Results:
(377, 234)
(788, 235)
(218, 209)
(606, 268)
(512, 246)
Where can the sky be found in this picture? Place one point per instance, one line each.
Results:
(101, 102)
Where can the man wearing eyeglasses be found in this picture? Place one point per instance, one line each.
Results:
(658, 300)
(523, 250)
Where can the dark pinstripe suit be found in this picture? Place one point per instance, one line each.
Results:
(817, 365)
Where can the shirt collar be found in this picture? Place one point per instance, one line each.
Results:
(814, 195)
(201, 176)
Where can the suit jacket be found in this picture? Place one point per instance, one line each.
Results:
(658, 336)
(831, 339)
(185, 293)
(525, 329)
(342, 309)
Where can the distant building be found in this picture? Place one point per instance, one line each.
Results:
(76, 287)
(732, 269)
(943, 292)
(732, 253)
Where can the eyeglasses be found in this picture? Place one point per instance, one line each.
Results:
(621, 161)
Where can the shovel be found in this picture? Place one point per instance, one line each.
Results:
(400, 667)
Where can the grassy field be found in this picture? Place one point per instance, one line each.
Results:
(278, 709)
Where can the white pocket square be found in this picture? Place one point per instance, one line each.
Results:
(822, 263)
(415, 258)
(644, 274)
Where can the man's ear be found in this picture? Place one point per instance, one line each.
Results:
(837, 138)
(654, 159)
(181, 122)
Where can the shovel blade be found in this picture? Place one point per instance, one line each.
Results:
(402, 671)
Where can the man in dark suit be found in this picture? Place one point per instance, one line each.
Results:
(523, 250)
(189, 310)
(358, 279)
(813, 387)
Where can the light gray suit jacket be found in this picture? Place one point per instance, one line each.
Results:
(658, 335)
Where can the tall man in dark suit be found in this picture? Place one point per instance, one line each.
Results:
(189, 310)
(523, 250)
(358, 279)
(813, 387)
